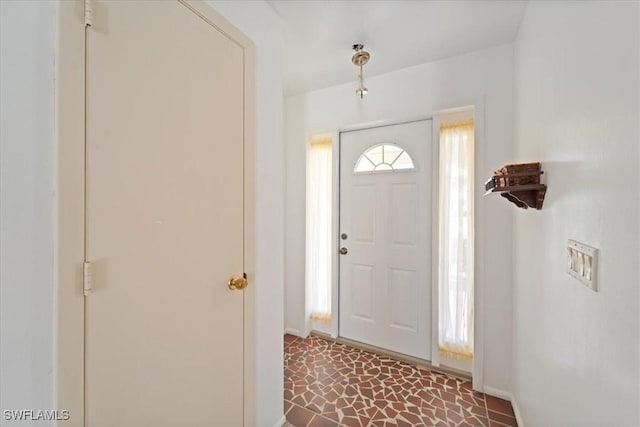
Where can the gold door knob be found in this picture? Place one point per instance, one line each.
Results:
(238, 283)
(344, 251)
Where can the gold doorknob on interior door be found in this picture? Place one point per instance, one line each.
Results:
(238, 283)
(343, 251)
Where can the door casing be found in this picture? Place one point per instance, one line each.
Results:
(69, 238)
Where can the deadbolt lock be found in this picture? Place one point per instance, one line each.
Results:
(343, 236)
(238, 283)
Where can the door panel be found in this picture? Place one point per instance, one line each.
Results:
(403, 214)
(363, 215)
(164, 215)
(385, 277)
(403, 299)
(363, 289)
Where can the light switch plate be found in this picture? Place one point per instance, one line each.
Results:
(582, 263)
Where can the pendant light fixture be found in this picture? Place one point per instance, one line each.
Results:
(360, 58)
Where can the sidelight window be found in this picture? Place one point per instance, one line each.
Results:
(319, 210)
(456, 236)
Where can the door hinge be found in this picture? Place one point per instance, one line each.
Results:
(87, 278)
(88, 13)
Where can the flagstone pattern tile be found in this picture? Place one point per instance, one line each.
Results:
(331, 384)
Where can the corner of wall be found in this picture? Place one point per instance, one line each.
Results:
(516, 411)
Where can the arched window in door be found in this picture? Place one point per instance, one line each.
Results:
(384, 157)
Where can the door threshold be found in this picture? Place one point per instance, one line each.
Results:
(414, 361)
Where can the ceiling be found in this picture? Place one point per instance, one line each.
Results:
(397, 33)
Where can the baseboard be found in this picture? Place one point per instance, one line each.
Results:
(506, 396)
(497, 393)
(516, 411)
(295, 332)
(322, 335)
(280, 422)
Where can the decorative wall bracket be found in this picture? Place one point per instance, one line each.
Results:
(520, 184)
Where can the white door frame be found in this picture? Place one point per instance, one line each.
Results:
(69, 239)
(477, 106)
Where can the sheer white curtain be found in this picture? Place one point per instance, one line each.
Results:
(318, 256)
(456, 240)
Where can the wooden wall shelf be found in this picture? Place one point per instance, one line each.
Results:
(523, 196)
(520, 184)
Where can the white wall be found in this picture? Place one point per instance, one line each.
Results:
(26, 204)
(26, 216)
(576, 352)
(296, 134)
(483, 77)
(259, 22)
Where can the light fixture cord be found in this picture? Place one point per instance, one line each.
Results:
(361, 82)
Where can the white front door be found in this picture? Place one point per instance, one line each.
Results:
(164, 218)
(385, 230)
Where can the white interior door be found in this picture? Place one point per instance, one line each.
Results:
(385, 227)
(164, 218)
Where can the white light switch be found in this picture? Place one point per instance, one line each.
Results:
(582, 262)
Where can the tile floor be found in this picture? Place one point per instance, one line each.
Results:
(330, 384)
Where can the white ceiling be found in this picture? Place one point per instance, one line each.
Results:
(397, 33)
